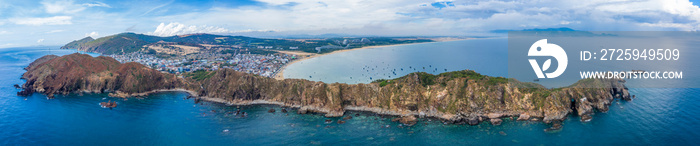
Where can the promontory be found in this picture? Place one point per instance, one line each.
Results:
(460, 97)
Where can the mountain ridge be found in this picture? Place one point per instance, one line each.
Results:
(132, 42)
(77, 43)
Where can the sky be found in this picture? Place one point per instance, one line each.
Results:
(57, 22)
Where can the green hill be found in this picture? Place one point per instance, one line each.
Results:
(77, 43)
(131, 42)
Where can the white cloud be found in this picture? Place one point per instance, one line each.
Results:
(92, 34)
(584, 15)
(296, 15)
(97, 4)
(56, 31)
(158, 7)
(175, 28)
(36, 21)
(46, 19)
(671, 25)
(4, 32)
(68, 6)
(414, 17)
(62, 6)
(40, 40)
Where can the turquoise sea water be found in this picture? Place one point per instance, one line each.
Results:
(486, 56)
(656, 116)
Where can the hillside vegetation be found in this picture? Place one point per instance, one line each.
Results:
(132, 42)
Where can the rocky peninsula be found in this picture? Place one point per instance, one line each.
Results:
(459, 97)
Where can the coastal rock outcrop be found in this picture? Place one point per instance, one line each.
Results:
(347, 117)
(83, 73)
(458, 97)
(496, 121)
(524, 117)
(408, 120)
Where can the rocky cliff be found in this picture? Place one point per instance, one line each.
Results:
(461, 97)
(457, 97)
(83, 73)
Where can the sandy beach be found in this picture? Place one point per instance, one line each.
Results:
(280, 73)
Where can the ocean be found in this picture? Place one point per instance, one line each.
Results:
(658, 116)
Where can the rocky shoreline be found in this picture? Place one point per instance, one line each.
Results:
(405, 118)
(460, 97)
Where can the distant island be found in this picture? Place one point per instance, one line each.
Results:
(459, 97)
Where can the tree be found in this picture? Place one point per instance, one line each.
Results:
(151, 51)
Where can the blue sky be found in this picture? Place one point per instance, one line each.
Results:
(56, 22)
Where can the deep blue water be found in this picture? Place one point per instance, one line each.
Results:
(656, 116)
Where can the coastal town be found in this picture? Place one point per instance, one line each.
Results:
(267, 65)
(209, 52)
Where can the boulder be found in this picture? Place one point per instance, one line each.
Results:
(408, 120)
(24, 93)
(347, 118)
(586, 118)
(551, 116)
(584, 108)
(17, 86)
(626, 95)
(496, 121)
(332, 114)
(284, 110)
(341, 121)
(494, 115)
(302, 111)
(472, 120)
(556, 126)
(524, 117)
(272, 110)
